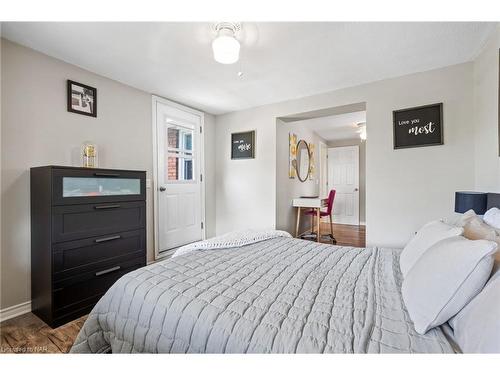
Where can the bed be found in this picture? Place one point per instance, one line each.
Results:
(280, 295)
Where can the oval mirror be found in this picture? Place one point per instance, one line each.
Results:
(302, 160)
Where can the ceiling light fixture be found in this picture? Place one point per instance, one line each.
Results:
(225, 46)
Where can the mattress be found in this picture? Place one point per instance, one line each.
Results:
(282, 295)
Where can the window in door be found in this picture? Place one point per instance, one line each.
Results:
(180, 153)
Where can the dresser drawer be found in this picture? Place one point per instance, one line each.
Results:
(89, 220)
(86, 289)
(81, 186)
(76, 257)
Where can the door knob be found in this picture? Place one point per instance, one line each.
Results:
(163, 188)
(356, 189)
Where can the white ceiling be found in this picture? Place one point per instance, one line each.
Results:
(280, 61)
(337, 127)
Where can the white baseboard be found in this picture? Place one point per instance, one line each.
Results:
(16, 310)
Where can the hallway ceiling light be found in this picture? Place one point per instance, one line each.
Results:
(225, 46)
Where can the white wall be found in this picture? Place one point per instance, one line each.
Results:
(362, 171)
(245, 196)
(292, 188)
(487, 161)
(405, 188)
(37, 130)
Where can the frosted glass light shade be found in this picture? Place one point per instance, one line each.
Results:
(226, 49)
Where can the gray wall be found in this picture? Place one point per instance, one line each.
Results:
(37, 130)
(362, 171)
(404, 188)
(487, 161)
(288, 188)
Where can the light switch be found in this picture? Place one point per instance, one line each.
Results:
(148, 183)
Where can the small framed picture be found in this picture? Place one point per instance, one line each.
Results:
(82, 99)
(418, 126)
(243, 145)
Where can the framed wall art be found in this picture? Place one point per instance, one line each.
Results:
(418, 126)
(82, 99)
(243, 145)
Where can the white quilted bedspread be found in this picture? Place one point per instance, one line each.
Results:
(281, 295)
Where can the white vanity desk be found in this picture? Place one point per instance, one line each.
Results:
(309, 204)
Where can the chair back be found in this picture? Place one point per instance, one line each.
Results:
(331, 197)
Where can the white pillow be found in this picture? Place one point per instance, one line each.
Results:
(492, 217)
(445, 279)
(427, 236)
(477, 326)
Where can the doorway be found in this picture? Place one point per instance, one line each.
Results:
(337, 138)
(178, 176)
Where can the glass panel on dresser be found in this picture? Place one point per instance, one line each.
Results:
(100, 186)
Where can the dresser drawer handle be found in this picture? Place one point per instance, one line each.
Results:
(102, 174)
(99, 240)
(112, 269)
(107, 207)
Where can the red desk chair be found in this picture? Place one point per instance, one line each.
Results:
(328, 212)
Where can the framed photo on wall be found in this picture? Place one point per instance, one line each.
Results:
(82, 99)
(243, 145)
(418, 126)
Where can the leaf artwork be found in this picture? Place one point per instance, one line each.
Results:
(312, 165)
(292, 142)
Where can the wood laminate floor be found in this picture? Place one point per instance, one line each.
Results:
(346, 235)
(28, 334)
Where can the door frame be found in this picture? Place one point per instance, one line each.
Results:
(323, 145)
(154, 186)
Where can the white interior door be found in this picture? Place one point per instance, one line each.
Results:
(178, 203)
(343, 176)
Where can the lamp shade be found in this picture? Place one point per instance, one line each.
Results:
(470, 200)
(226, 49)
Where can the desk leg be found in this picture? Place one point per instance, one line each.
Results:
(298, 223)
(318, 217)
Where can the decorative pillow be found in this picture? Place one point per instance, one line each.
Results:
(427, 236)
(477, 229)
(477, 326)
(492, 217)
(445, 279)
(459, 220)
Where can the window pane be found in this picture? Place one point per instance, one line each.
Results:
(173, 138)
(179, 169)
(188, 140)
(180, 138)
(188, 169)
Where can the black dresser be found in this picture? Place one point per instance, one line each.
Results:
(88, 228)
